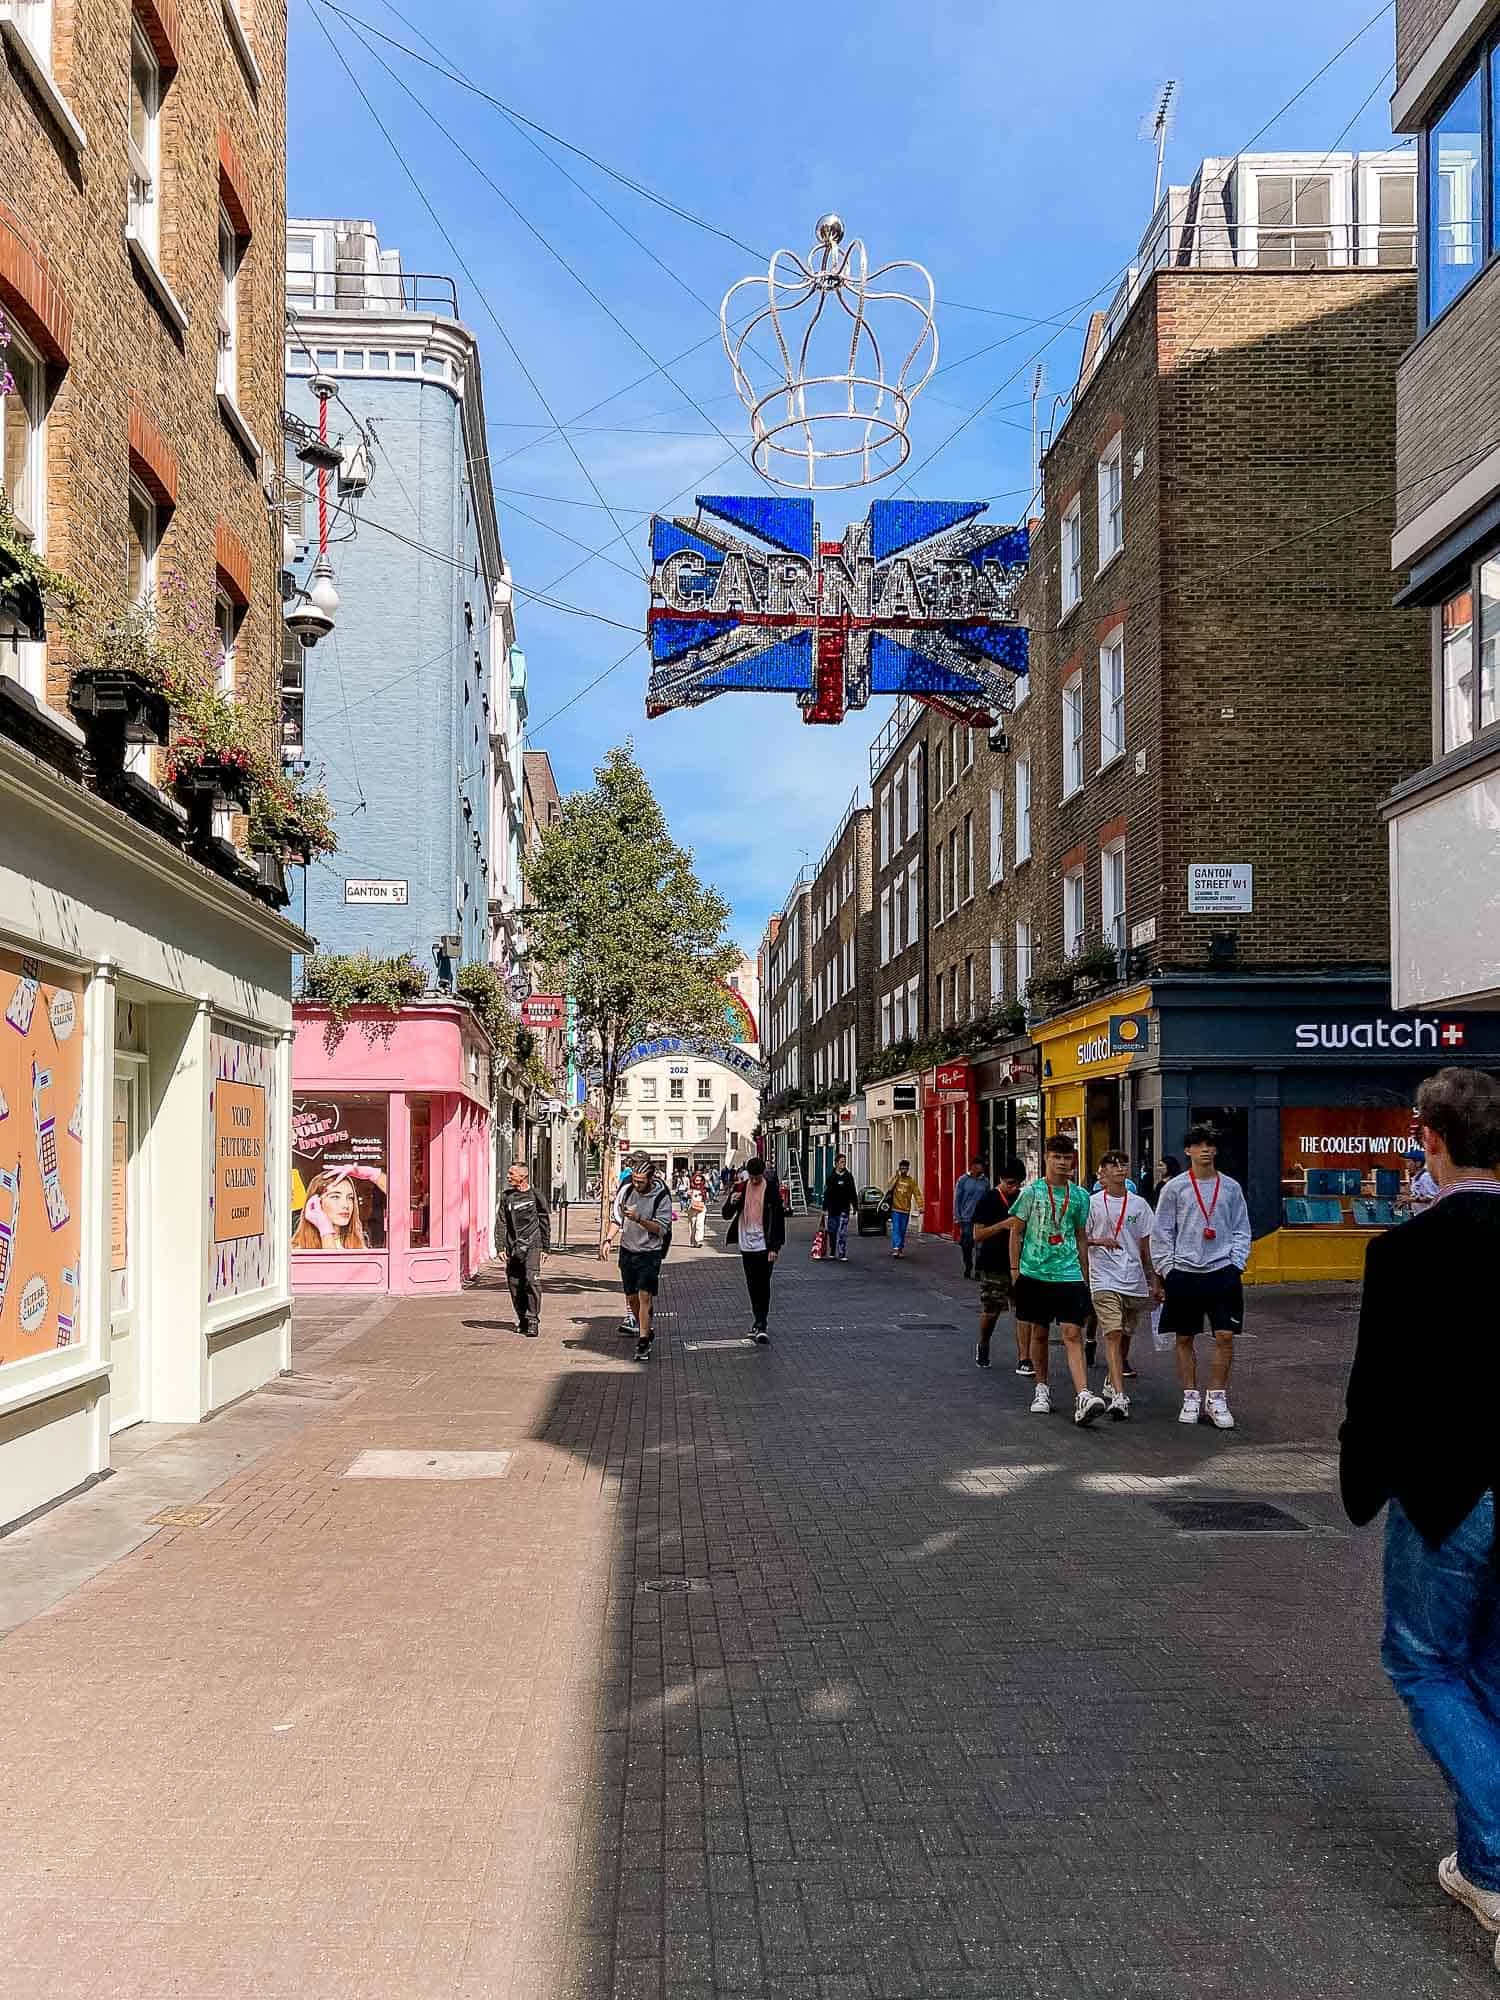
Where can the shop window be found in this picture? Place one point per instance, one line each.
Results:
(340, 1167)
(1345, 1166)
(421, 1173)
(41, 1165)
(1453, 250)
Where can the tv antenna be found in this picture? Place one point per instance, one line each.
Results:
(1155, 127)
(1038, 380)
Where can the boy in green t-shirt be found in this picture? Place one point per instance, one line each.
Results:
(1049, 1263)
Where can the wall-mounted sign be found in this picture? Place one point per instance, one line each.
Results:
(950, 1083)
(1220, 888)
(917, 599)
(374, 892)
(544, 1010)
(239, 1161)
(1143, 933)
(1128, 1032)
(903, 1097)
(1419, 1031)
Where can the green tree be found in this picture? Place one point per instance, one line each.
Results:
(616, 907)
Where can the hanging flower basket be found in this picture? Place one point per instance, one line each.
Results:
(221, 776)
(120, 703)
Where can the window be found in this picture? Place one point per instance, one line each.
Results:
(1023, 954)
(898, 1014)
(677, 1088)
(885, 1020)
(1072, 911)
(939, 997)
(23, 414)
(705, 1088)
(302, 279)
(227, 624)
(622, 1090)
(911, 903)
(1072, 554)
(229, 307)
(734, 1100)
(144, 142)
(997, 972)
(144, 539)
(1072, 735)
(885, 825)
(674, 1128)
(648, 1127)
(1023, 809)
(1293, 221)
(942, 883)
(953, 996)
(997, 834)
(34, 19)
(955, 890)
(1112, 698)
(969, 987)
(968, 749)
(913, 1019)
(1111, 523)
(968, 856)
(885, 926)
(1112, 894)
(938, 787)
(293, 687)
(1468, 697)
(1396, 215)
(1453, 251)
(912, 814)
(704, 1125)
(648, 1090)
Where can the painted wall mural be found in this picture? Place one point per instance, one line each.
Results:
(242, 1120)
(41, 1156)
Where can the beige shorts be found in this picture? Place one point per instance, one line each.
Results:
(1118, 1312)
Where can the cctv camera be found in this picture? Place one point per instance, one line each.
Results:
(999, 741)
(308, 623)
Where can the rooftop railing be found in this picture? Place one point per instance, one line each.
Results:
(352, 291)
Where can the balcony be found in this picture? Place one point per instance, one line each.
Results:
(361, 291)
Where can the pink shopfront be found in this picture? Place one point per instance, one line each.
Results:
(392, 1159)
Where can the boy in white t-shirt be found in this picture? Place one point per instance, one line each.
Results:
(1120, 1274)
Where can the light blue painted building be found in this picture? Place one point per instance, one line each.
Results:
(408, 707)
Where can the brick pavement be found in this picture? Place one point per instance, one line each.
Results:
(950, 1707)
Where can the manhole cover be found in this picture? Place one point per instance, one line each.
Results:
(313, 1388)
(1229, 1517)
(430, 1465)
(707, 1346)
(672, 1586)
(182, 1517)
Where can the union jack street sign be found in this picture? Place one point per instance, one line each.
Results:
(916, 599)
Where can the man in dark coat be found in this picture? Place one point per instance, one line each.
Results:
(1420, 1439)
(524, 1229)
(756, 1216)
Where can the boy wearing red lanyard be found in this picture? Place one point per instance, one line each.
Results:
(1200, 1245)
(1049, 1263)
(1120, 1273)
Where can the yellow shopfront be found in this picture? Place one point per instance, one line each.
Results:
(1086, 1057)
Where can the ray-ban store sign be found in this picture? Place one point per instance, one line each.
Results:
(374, 892)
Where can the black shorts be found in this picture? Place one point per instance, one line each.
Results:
(1196, 1296)
(1040, 1301)
(640, 1271)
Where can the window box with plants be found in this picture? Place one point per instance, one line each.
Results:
(294, 824)
(125, 681)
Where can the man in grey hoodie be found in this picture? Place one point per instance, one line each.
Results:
(1200, 1245)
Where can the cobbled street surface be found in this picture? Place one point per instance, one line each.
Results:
(818, 1672)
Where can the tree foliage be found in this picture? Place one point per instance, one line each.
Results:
(617, 908)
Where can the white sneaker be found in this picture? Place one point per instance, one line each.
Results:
(1218, 1410)
(1485, 1903)
(1041, 1402)
(1087, 1407)
(1192, 1407)
(1119, 1405)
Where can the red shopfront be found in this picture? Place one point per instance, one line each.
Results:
(950, 1139)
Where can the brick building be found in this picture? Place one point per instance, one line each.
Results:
(145, 1072)
(841, 1005)
(1444, 819)
(898, 826)
(786, 1012)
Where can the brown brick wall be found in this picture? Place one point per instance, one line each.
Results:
(1296, 697)
(908, 962)
(122, 351)
(854, 1009)
(1417, 21)
(1448, 399)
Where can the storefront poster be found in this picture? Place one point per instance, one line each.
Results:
(242, 1112)
(1345, 1166)
(339, 1173)
(119, 1191)
(41, 1156)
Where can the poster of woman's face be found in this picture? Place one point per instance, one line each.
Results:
(339, 1173)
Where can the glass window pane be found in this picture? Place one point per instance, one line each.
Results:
(1274, 198)
(1453, 191)
(20, 412)
(1398, 199)
(1313, 201)
(1489, 641)
(1458, 670)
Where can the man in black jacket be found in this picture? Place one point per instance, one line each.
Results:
(1435, 1458)
(525, 1230)
(840, 1197)
(757, 1225)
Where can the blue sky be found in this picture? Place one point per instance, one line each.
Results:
(998, 145)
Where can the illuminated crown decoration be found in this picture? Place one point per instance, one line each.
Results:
(830, 407)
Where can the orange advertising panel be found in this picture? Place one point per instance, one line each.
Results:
(41, 1156)
(239, 1161)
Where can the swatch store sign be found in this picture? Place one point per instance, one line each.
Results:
(1418, 1033)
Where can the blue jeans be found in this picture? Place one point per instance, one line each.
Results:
(900, 1223)
(838, 1233)
(1442, 1651)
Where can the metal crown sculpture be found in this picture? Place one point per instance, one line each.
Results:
(832, 418)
